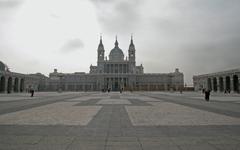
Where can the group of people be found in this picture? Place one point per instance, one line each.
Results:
(227, 91)
(109, 90)
(106, 90)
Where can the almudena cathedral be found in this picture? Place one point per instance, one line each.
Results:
(114, 72)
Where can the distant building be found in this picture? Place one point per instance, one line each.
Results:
(115, 72)
(18, 82)
(224, 81)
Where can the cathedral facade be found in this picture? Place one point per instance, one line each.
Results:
(115, 72)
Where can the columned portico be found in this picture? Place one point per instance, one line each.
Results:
(226, 81)
(221, 84)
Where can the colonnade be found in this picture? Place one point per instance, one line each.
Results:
(227, 83)
(116, 68)
(9, 84)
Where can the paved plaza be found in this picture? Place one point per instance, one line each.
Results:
(114, 121)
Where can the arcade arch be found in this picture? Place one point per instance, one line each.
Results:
(228, 84)
(215, 84)
(2, 84)
(9, 85)
(235, 83)
(16, 85)
(221, 84)
(209, 82)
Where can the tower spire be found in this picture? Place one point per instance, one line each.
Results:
(131, 42)
(131, 39)
(100, 36)
(116, 42)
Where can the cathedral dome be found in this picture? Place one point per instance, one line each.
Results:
(116, 53)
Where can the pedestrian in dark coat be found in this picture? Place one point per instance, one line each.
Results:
(207, 95)
(32, 92)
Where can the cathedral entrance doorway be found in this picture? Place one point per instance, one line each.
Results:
(115, 84)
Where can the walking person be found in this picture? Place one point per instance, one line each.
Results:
(207, 95)
(32, 92)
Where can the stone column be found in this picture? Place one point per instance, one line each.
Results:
(211, 84)
(224, 83)
(205, 86)
(122, 68)
(218, 84)
(109, 68)
(231, 84)
(19, 80)
(5, 85)
(113, 68)
(12, 85)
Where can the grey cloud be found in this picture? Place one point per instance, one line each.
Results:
(53, 15)
(9, 3)
(201, 58)
(72, 45)
(116, 16)
(200, 36)
(7, 9)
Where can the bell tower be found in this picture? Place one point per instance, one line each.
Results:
(132, 51)
(100, 51)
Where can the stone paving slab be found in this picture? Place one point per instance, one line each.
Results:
(86, 98)
(7, 99)
(114, 101)
(198, 147)
(173, 114)
(63, 113)
(225, 108)
(22, 139)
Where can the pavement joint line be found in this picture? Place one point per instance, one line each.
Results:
(89, 102)
(213, 145)
(106, 140)
(41, 139)
(139, 142)
(68, 145)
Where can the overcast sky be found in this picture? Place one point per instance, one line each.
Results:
(196, 36)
